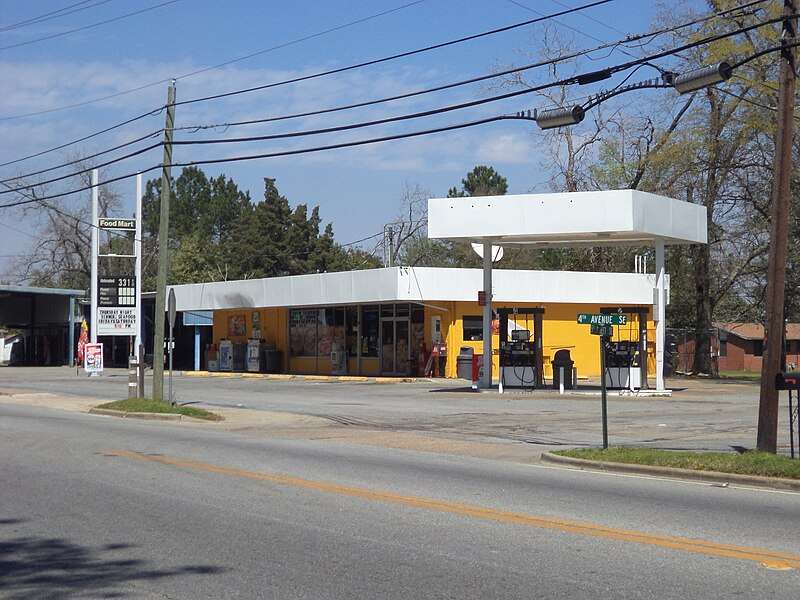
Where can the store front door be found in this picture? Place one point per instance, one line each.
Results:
(394, 346)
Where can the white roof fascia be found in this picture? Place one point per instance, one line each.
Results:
(604, 218)
(432, 284)
(418, 284)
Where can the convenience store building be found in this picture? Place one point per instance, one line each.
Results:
(383, 321)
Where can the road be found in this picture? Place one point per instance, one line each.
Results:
(98, 507)
(700, 415)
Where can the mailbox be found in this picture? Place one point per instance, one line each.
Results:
(787, 381)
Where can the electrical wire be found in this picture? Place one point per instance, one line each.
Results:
(229, 62)
(85, 27)
(61, 12)
(89, 157)
(568, 81)
(395, 56)
(358, 105)
(316, 75)
(84, 170)
(547, 62)
(86, 137)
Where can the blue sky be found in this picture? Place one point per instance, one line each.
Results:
(46, 66)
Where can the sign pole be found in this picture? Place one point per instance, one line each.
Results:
(603, 403)
(138, 349)
(171, 314)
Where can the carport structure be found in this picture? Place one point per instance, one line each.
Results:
(45, 316)
(570, 220)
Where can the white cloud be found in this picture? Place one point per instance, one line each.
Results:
(515, 148)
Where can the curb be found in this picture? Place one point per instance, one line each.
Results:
(137, 415)
(332, 378)
(777, 483)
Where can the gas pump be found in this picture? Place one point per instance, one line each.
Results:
(518, 361)
(520, 357)
(623, 365)
(626, 359)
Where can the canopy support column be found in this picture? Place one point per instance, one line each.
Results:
(486, 378)
(660, 314)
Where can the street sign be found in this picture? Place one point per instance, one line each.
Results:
(590, 319)
(171, 307)
(606, 330)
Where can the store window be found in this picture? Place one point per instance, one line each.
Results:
(330, 330)
(303, 332)
(369, 331)
(351, 331)
(473, 328)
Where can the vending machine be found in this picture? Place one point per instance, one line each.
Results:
(225, 355)
(253, 358)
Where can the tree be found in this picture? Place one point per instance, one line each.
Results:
(62, 254)
(481, 181)
(202, 217)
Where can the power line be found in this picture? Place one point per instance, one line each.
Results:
(61, 12)
(84, 138)
(351, 106)
(568, 81)
(88, 157)
(397, 56)
(84, 170)
(85, 27)
(229, 62)
(316, 75)
(416, 93)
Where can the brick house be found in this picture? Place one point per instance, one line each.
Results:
(741, 346)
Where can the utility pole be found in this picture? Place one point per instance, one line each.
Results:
(776, 267)
(163, 251)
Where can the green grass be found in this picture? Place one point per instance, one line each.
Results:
(743, 375)
(762, 464)
(157, 406)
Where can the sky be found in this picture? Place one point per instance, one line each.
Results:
(70, 69)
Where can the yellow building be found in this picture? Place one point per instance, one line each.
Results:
(387, 322)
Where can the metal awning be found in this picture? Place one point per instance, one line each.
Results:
(608, 218)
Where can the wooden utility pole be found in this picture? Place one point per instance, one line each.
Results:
(163, 252)
(776, 268)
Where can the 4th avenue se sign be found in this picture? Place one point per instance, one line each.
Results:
(589, 319)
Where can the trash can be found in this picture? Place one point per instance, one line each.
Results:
(464, 363)
(562, 359)
(272, 361)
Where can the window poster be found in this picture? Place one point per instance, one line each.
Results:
(236, 325)
(303, 332)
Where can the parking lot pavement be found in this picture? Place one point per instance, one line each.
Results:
(432, 415)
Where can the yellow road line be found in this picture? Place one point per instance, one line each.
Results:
(767, 558)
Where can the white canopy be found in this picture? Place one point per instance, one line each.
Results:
(617, 217)
(605, 218)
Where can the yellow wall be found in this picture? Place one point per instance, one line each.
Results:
(274, 323)
(560, 330)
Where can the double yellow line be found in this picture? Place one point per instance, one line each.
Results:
(774, 560)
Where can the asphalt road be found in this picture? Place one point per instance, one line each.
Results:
(324, 490)
(98, 507)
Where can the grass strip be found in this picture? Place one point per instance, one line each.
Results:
(149, 405)
(751, 462)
